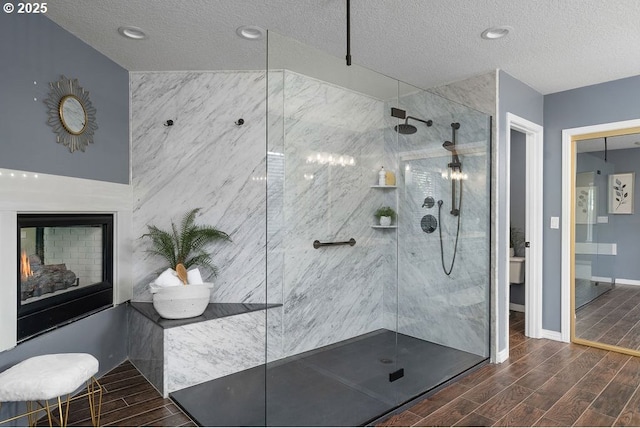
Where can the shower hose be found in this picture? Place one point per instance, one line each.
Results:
(455, 248)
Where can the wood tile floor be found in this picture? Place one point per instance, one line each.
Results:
(613, 318)
(543, 383)
(129, 400)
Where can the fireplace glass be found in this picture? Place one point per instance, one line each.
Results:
(65, 265)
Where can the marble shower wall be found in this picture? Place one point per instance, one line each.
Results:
(203, 160)
(449, 310)
(327, 158)
(332, 293)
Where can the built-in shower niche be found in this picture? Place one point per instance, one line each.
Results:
(65, 269)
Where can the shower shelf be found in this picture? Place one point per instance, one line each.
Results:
(375, 226)
(377, 186)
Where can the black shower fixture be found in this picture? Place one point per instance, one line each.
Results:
(455, 163)
(456, 189)
(456, 166)
(405, 128)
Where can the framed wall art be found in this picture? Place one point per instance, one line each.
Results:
(621, 193)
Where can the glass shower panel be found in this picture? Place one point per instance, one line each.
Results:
(593, 267)
(597, 318)
(443, 239)
(330, 344)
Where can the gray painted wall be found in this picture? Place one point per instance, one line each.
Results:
(518, 183)
(607, 102)
(517, 98)
(34, 49)
(518, 198)
(103, 335)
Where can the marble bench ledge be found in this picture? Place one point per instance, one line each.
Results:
(177, 354)
(213, 311)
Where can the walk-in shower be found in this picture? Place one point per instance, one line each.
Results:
(354, 331)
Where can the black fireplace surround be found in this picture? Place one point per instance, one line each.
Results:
(51, 310)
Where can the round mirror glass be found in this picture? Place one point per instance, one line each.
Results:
(72, 115)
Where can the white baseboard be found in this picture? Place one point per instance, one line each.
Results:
(516, 307)
(502, 356)
(604, 279)
(627, 281)
(551, 335)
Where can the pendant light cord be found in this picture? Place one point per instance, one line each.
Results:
(348, 32)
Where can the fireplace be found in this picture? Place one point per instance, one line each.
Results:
(65, 269)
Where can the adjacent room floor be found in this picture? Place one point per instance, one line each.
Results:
(612, 318)
(543, 383)
(345, 384)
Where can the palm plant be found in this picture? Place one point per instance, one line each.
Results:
(185, 244)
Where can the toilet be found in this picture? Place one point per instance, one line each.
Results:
(516, 270)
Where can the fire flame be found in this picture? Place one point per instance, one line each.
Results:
(25, 266)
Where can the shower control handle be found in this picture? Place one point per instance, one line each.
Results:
(527, 244)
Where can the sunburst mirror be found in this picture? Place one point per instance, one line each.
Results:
(71, 114)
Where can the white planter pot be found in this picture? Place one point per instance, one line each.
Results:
(385, 221)
(182, 301)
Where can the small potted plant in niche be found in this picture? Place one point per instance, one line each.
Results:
(179, 291)
(385, 215)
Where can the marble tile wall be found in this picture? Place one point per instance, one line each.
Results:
(203, 160)
(333, 147)
(332, 293)
(449, 310)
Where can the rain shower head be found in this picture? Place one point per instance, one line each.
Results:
(406, 129)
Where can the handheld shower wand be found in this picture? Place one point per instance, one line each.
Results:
(456, 203)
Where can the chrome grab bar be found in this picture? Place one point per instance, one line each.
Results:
(317, 244)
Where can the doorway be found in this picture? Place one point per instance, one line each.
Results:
(531, 247)
(599, 269)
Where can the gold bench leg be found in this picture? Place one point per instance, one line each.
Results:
(93, 388)
(94, 395)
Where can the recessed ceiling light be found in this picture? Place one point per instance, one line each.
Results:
(496, 32)
(250, 32)
(132, 33)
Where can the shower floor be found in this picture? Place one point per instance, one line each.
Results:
(344, 384)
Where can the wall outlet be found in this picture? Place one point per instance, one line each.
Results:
(555, 223)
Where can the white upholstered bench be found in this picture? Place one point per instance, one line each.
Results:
(47, 377)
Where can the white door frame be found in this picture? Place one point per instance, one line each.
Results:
(567, 192)
(533, 225)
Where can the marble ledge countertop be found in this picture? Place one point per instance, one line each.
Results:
(213, 311)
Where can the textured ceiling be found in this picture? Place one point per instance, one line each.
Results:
(555, 45)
